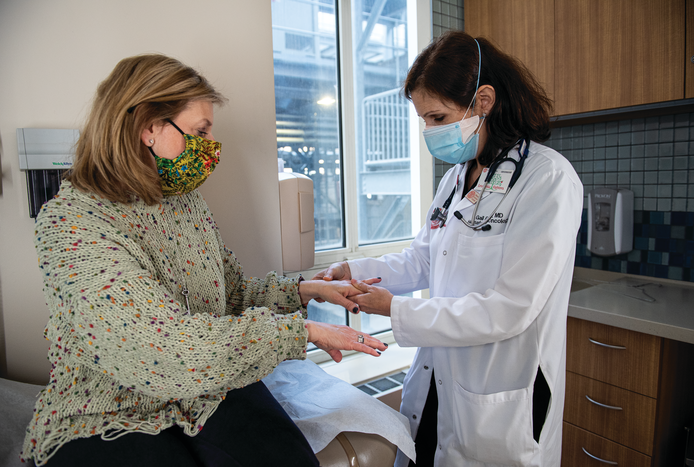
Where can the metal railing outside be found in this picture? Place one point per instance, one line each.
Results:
(385, 129)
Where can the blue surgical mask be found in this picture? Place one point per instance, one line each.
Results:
(457, 142)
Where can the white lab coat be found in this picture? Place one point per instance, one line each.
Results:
(497, 314)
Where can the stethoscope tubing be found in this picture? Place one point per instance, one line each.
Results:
(516, 174)
(479, 226)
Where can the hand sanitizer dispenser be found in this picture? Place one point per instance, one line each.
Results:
(610, 221)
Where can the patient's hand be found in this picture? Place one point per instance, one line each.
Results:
(336, 292)
(334, 337)
(337, 271)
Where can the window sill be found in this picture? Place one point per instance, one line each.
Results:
(323, 259)
(358, 368)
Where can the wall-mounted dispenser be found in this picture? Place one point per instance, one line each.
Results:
(44, 154)
(296, 219)
(610, 221)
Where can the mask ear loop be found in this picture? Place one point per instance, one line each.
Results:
(175, 126)
(477, 87)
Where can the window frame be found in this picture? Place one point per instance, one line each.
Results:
(421, 170)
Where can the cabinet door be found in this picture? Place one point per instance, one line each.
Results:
(619, 415)
(579, 445)
(522, 29)
(689, 51)
(617, 53)
(620, 357)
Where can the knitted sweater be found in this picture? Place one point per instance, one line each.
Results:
(126, 356)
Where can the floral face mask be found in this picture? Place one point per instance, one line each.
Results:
(190, 169)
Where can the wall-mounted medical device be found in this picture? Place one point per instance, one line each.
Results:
(296, 219)
(44, 154)
(610, 221)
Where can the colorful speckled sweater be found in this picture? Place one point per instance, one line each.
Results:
(126, 355)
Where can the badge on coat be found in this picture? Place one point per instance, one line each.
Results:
(498, 183)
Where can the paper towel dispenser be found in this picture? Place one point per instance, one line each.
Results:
(610, 221)
(44, 154)
(46, 149)
(296, 219)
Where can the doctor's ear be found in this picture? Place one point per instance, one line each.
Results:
(486, 97)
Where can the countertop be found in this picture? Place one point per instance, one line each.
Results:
(666, 309)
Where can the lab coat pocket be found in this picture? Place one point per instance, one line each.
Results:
(496, 428)
(476, 265)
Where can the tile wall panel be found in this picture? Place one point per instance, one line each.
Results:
(446, 15)
(651, 157)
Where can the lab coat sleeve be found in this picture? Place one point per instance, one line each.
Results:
(402, 272)
(539, 240)
(408, 270)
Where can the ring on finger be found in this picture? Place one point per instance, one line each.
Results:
(360, 338)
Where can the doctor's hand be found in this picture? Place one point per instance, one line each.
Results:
(333, 337)
(337, 271)
(336, 292)
(374, 300)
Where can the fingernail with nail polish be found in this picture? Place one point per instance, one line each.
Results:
(355, 310)
(379, 352)
(384, 344)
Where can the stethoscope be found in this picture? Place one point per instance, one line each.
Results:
(483, 225)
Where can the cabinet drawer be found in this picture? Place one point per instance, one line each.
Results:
(623, 358)
(632, 426)
(576, 440)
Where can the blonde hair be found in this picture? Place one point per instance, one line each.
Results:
(110, 159)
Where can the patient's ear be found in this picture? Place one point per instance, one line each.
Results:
(148, 135)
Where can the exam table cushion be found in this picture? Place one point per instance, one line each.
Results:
(321, 405)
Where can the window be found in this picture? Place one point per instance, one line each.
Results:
(342, 121)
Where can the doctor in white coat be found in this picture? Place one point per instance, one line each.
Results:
(486, 387)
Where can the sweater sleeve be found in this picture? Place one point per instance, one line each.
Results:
(278, 293)
(110, 313)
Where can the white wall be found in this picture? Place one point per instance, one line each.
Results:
(53, 53)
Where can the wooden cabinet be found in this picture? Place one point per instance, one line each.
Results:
(594, 54)
(617, 53)
(623, 416)
(628, 397)
(689, 50)
(631, 361)
(517, 28)
(579, 445)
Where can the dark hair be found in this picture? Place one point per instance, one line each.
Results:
(448, 69)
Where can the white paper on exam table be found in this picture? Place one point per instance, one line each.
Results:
(323, 406)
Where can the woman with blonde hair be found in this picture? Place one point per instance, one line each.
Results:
(154, 328)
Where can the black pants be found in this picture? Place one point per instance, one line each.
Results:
(249, 428)
(426, 440)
